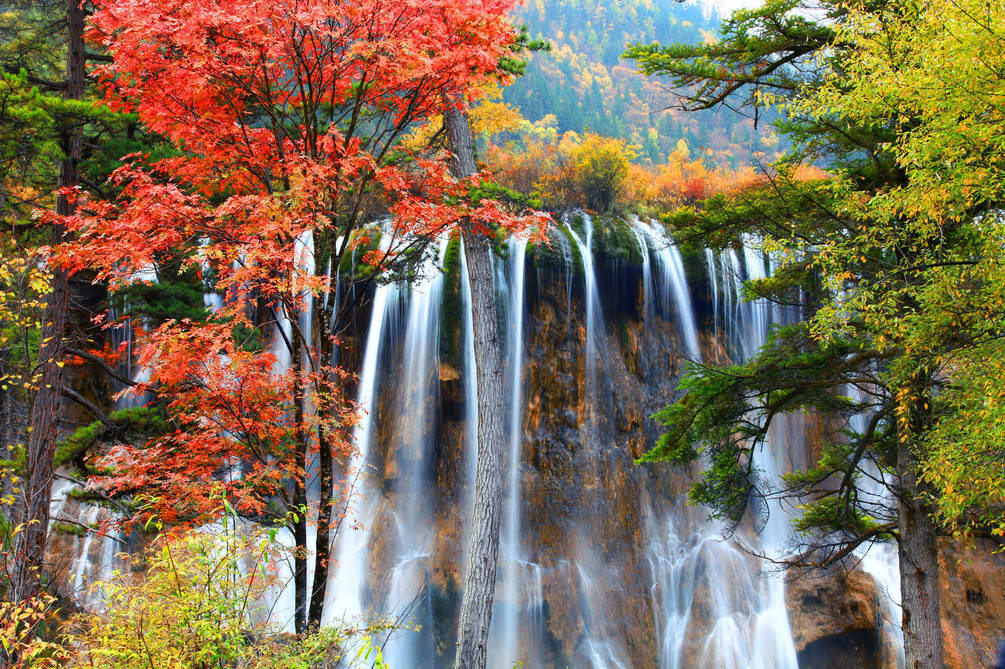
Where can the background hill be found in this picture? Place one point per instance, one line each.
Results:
(585, 85)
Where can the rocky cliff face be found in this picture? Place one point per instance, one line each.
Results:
(603, 562)
(613, 568)
(839, 619)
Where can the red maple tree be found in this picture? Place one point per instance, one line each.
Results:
(287, 119)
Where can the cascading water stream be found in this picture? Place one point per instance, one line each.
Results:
(879, 558)
(772, 633)
(98, 539)
(344, 595)
(594, 314)
(713, 279)
(733, 307)
(416, 404)
(672, 285)
(518, 597)
(470, 376)
(289, 328)
(744, 615)
(597, 647)
(647, 271)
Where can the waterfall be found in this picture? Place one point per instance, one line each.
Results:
(416, 402)
(95, 554)
(772, 633)
(593, 547)
(518, 597)
(594, 314)
(597, 647)
(344, 595)
(702, 563)
(672, 286)
(746, 617)
(647, 272)
(305, 262)
(879, 559)
(713, 284)
(282, 612)
(733, 306)
(470, 377)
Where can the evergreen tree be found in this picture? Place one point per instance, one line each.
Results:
(870, 258)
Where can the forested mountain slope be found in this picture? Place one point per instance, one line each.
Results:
(586, 85)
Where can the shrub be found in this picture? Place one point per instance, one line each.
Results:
(201, 604)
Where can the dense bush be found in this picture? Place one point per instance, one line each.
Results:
(202, 602)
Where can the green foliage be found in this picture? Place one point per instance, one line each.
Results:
(450, 338)
(125, 426)
(522, 45)
(896, 260)
(559, 253)
(176, 295)
(613, 239)
(759, 49)
(491, 190)
(27, 136)
(833, 514)
(590, 88)
(923, 258)
(200, 603)
(33, 111)
(966, 448)
(727, 412)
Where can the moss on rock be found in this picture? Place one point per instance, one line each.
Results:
(613, 239)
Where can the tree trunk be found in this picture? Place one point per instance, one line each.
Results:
(299, 494)
(36, 491)
(322, 544)
(919, 569)
(483, 552)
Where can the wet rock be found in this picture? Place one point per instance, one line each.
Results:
(833, 612)
(857, 648)
(973, 602)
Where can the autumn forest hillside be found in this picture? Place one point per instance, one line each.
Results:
(584, 82)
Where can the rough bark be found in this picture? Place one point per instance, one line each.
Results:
(36, 491)
(919, 570)
(299, 499)
(483, 551)
(322, 544)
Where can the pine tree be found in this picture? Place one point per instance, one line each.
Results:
(869, 275)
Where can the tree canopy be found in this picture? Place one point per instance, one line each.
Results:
(890, 264)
